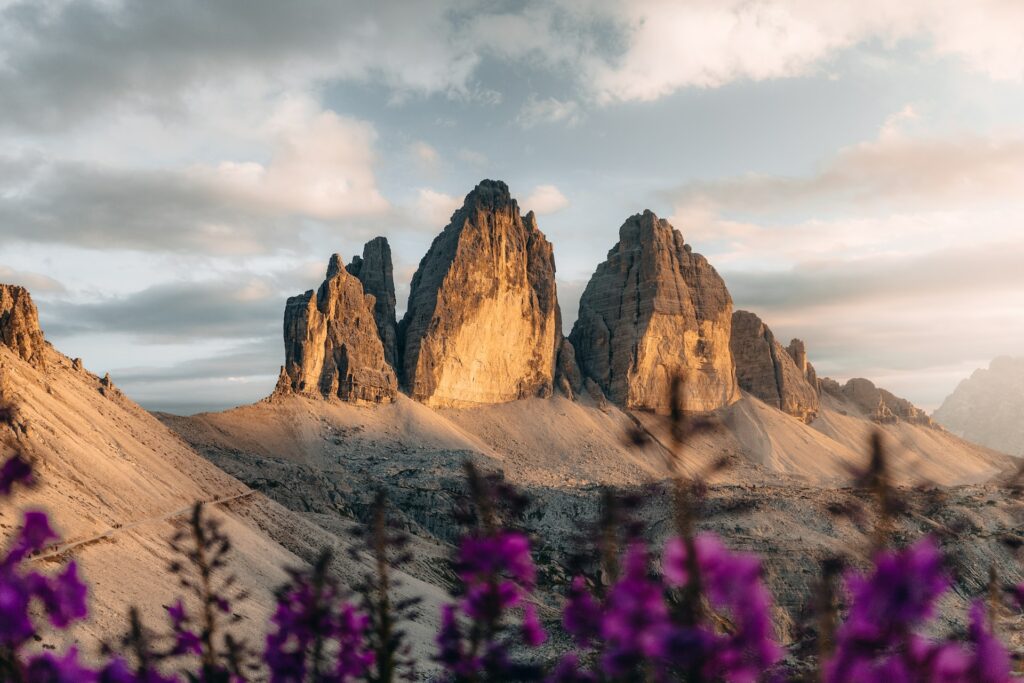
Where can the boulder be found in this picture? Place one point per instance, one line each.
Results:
(770, 371)
(375, 271)
(652, 311)
(483, 324)
(332, 345)
(19, 325)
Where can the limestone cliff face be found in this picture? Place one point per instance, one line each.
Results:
(332, 346)
(375, 271)
(767, 369)
(651, 311)
(483, 324)
(19, 325)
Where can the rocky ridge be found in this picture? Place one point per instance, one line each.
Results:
(654, 310)
(878, 405)
(483, 324)
(777, 375)
(375, 271)
(986, 408)
(19, 325)
(332, 344)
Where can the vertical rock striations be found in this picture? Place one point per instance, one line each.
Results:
(771, 372)
(375, 271)
(19, 325)
(483, 324)
(332, 346)
(651, 311)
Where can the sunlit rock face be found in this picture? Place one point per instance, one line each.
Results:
(483, 324)
(332, 345)
(776, 375)
(654, 310)
(375, 271)
(19, 325)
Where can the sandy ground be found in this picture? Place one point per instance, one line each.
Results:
(118, 484)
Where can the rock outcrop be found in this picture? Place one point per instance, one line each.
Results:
(19, 325)
(987, 407)
(332, 346)
(798, 352)
(483, 324)
(567, 374)
(877, 404)
(652, 311)
(375, 271)
(767, 369)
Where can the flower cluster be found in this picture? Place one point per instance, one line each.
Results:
(317, 635)
(61, 597)
(639, 631)
(498, 575)
(880, 638)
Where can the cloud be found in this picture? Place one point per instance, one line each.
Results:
(434, 208)
(65, 63)
(69, 61)
(545, 199)
(425, 155)
(549, 110)
(671, 45)
(898, 259)
(320, 167)
(473, 158)
(175, 312)
(37, 283)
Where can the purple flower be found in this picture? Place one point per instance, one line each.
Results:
(991, 661)
(35, 533)
(635, 622)
(46, 668)
(186, 641)
(451, 653)
(16, 470)
(63, 597)
(506, 552)
(533, 632)
(582, 615)
(886, 607)
(354, 658)
(568, 671)
(733, 585)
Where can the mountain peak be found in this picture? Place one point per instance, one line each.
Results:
(19, 325)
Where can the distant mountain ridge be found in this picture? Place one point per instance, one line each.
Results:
(988, 407)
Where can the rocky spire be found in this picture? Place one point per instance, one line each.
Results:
(375, 271)
(767, 369)
(332, 347)
(651, 311)
(798, 352)
(483, 324)
(19, 325)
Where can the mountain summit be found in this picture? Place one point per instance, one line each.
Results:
(483, 323)
(651, 311)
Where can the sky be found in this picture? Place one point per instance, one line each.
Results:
(171, 171)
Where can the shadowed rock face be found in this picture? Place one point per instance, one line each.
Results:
(19, 325)
(332, 346)
(483, 323)
(770, 371)
(653, 310)
(375, 271)
(987, 407)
